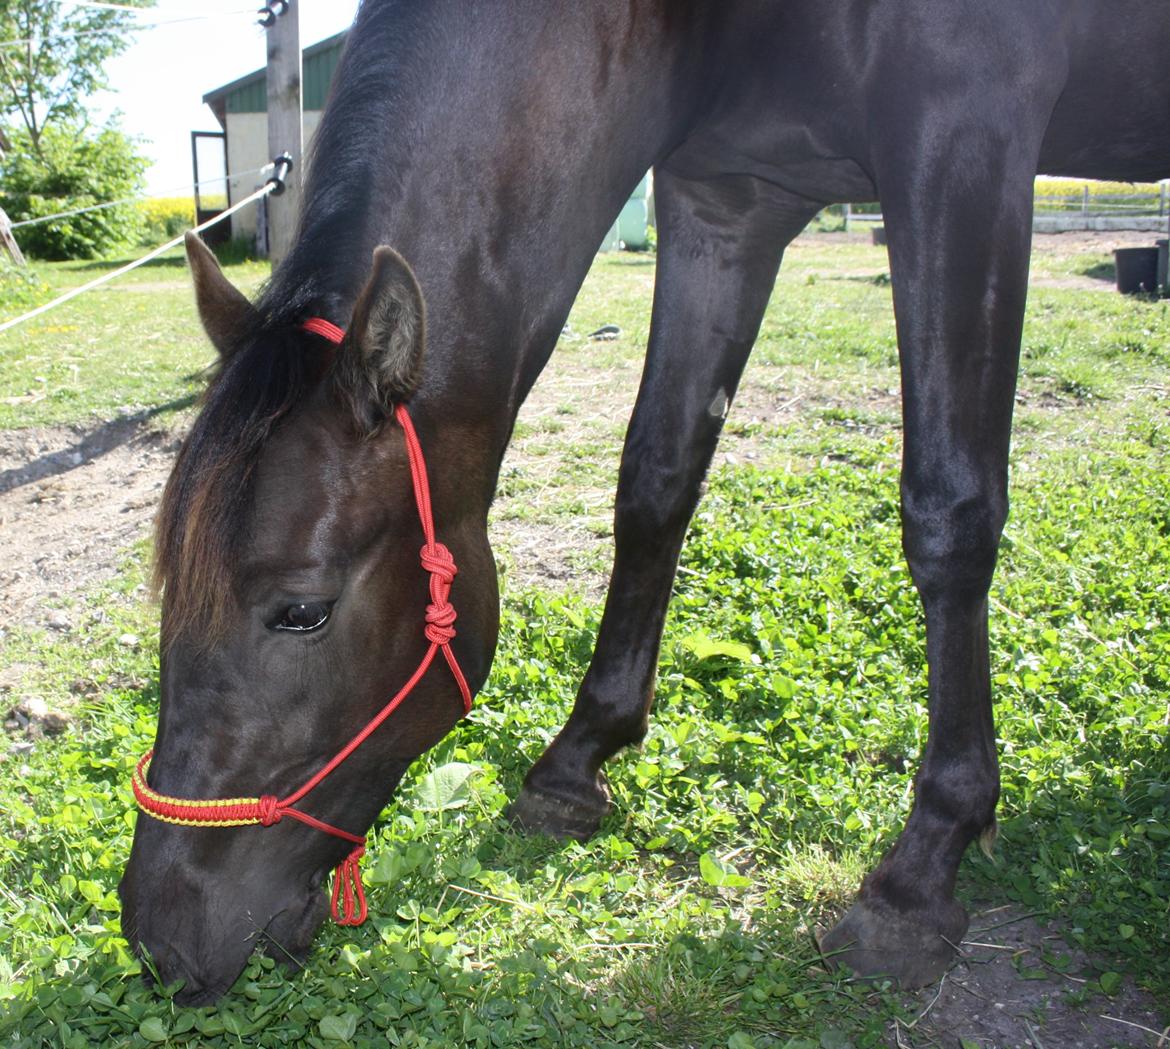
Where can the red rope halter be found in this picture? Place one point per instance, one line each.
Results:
(439, 630)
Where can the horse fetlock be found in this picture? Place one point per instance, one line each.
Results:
(876, 941)
(960, 802)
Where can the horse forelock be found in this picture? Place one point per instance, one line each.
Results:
(204, 519)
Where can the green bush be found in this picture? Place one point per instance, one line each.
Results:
(74, 167)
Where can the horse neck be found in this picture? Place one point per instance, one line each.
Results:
(514, 134)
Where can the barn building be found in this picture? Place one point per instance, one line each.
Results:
(241, 108)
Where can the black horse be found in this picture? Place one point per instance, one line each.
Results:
(492, 144)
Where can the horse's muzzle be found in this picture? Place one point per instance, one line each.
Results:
(188, 925)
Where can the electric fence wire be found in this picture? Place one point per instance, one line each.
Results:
(271, 186)
(93, 4)
(234, 176)
(140, 27)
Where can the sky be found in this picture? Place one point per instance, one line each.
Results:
(159, 82)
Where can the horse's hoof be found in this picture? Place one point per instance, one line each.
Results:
(539, 813)
(876, 942)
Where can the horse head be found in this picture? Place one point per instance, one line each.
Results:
(294, 606)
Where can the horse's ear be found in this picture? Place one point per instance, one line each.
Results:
(380, 362)
(226, 314)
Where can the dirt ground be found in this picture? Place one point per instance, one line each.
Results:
(1019, 985)
(74, 499)
(71, 502)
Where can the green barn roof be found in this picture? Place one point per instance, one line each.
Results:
(249, 94)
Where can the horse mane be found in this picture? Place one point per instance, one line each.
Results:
(352, 177)
(204, 515)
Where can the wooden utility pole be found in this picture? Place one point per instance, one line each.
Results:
(284, 122)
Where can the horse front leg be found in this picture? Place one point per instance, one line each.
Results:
(720, 243)
(959, 238)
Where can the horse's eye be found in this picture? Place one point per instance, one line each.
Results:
(304, 618)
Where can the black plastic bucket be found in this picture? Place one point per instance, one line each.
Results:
(1137, 270)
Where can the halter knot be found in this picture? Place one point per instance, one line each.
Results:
(437, 560)
(267, 806)
(440, 614)
(439, 619)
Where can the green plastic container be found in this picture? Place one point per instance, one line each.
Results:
(632, 228)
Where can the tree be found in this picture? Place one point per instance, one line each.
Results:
(75, 167)
(52, 55)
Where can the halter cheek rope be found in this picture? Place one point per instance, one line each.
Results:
(349, 901)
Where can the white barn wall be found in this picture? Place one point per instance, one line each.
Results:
(247, 149)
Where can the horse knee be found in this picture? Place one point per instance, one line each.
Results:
(951, 545)
(652, 508)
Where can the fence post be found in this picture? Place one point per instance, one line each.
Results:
(847, 211)
(285, 123)
(8, 241)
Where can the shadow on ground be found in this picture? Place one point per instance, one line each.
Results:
(90, 445)
(1102, 271)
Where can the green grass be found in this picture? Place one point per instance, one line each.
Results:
(131, 345)
(790, 705)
